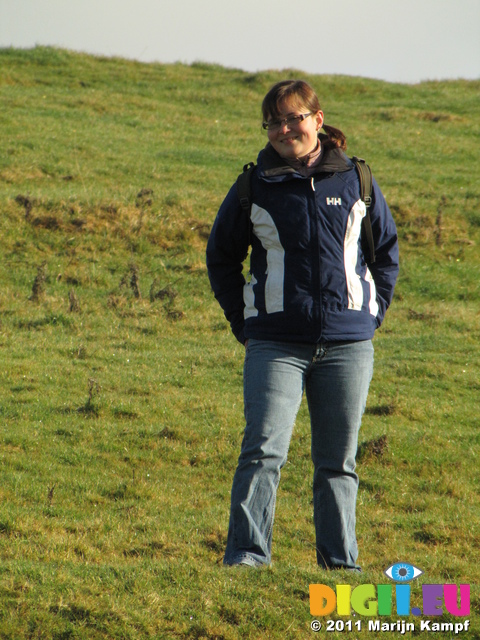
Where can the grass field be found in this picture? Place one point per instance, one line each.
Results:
(121, 387)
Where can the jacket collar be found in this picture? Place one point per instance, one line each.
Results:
(271, 165)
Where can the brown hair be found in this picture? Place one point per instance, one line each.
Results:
(300, 94)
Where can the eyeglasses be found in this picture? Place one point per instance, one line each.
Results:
(290, 121)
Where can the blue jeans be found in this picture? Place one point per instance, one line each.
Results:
(335, 377)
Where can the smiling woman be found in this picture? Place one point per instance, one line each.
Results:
(307, 317)
(292, 132)
(293, 119)
(294, 135)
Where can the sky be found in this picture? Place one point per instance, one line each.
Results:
(399, 41)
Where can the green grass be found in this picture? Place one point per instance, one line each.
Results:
(121, 387)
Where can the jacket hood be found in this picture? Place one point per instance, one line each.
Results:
(272, 165)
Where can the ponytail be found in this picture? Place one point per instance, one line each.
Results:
(336, 138)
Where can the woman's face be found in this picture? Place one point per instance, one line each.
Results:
(297, 139)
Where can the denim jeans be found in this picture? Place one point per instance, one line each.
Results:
(335, 378)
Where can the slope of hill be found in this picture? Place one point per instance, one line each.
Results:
(120, 385)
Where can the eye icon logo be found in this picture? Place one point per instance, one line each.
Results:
(402, 572)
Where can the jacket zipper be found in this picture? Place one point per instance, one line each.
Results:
(317, 285)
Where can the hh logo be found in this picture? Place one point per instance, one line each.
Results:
(336, 201)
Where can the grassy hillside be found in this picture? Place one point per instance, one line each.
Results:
(121, 386)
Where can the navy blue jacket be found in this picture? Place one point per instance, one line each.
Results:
(309, 281)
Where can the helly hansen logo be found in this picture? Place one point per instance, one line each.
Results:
(336, 201)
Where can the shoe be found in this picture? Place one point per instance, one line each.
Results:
(341, 567)
(246, 561)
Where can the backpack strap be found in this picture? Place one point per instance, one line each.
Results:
(243, 187)
(365, 179)
(243, 192)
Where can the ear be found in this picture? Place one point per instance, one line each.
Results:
(318, 117)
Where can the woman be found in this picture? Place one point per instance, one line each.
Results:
(307, 318)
